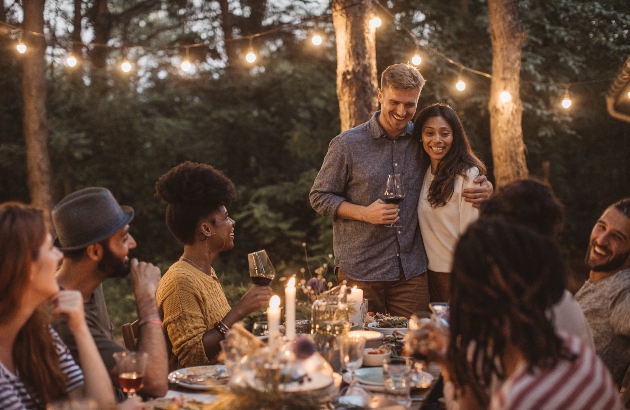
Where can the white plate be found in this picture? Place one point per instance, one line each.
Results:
(370, 375)
(200, 377)
(386, 330)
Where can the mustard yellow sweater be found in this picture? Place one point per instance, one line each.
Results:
(191, 302)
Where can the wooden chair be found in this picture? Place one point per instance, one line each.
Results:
(130, 334)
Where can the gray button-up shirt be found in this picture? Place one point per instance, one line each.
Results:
(355, 169)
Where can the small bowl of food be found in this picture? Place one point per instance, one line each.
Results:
(375, 356)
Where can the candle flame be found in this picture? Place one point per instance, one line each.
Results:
(354, 287)
(291, 283)
(274, 302)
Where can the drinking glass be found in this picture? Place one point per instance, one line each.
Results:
(131, 368)
(397, 379)
(394, 192)
(260, 329)
(351, 351)
(417, 338)
(261, 271)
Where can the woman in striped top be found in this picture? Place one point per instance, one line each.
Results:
(505, 280)
(36, 368)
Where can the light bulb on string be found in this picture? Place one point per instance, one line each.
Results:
(375, 22)
(21, 48)
(125, 66)
(461, 85)
(628, 94)
(186, 63)
(505, 96)
(71, 60)
(566, 101)
(317, 39)
(416, 59)
(251, 56)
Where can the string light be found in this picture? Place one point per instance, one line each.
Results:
(21, 47)
(628, 94)
(566, 101)
(186, 63)
(505, 96)
(317, 39)
(461, 85)
(71, 61)
(251, 56)
(375, 22)
(416, 59)
(125, 66)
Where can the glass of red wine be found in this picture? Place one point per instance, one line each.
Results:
(131, 368)
(261, 271)
(394, 192)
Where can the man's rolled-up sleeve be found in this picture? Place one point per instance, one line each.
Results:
(620, 312)
(328, 191)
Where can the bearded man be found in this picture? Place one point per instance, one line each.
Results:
(93, 234)
(605, 296)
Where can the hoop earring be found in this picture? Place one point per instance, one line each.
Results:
(208, 242)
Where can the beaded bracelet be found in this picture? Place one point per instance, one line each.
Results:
(222, 328)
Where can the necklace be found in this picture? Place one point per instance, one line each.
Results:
(211, 274)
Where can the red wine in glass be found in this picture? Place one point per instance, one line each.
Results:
(393, 199)
(261, 271)
(261, 280)
(131, 382)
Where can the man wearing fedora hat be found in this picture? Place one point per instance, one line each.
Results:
(93, 234)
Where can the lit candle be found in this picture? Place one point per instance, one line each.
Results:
(289, 303)
(355, 299)
(273, 318)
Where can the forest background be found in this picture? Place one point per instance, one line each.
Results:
(267, 125)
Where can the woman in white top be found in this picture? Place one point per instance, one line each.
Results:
(451, 166)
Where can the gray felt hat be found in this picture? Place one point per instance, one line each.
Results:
(88, 216)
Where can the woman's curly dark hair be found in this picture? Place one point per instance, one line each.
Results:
(505, 279)
(193, 191)
(459, 159)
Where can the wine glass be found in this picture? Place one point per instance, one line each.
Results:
(131, 368)
(260, 329)
(417, 338)
(394, 192)
(261, 271)
(351, 351)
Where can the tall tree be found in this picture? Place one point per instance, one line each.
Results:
(356, 61)
(506, 132)
(34, 96)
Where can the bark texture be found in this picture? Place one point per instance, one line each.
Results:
(34, 95)
(356, 61)
(507, 36)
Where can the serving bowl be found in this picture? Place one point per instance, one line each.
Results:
(375, 356)
(372, 339)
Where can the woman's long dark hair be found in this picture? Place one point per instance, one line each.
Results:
(505, 278)
(22, 231)
(457, 160)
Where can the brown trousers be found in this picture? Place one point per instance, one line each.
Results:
(402, 297)
(439, 286)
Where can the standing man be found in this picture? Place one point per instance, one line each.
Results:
(93, 234)
(605, 296)
(387, 263)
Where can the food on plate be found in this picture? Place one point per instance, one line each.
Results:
(378, 351)
(386, 321)
(176, 403)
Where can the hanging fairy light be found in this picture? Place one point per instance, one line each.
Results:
(251, 56)
(375, 22)
(317, 39)
(416, 59)
(21, 47)
(566, 101)
(505, 96)
(71, 60)
(628, 94)
(461, 85)
(125, 66)
(186, 63)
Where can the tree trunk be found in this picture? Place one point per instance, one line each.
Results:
(77, 47)
(463, 7)
(508, 148)
(226, 26)
(34, 95)
(356, 61)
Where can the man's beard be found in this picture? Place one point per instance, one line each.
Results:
(112, 265)
(615, 263)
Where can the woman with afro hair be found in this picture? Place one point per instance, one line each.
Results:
(196, 311)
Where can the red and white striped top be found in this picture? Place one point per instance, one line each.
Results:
(584, 383)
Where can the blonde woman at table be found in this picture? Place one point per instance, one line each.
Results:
(196, 314)
(36, 368)
(443, 213)
(503, 351)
